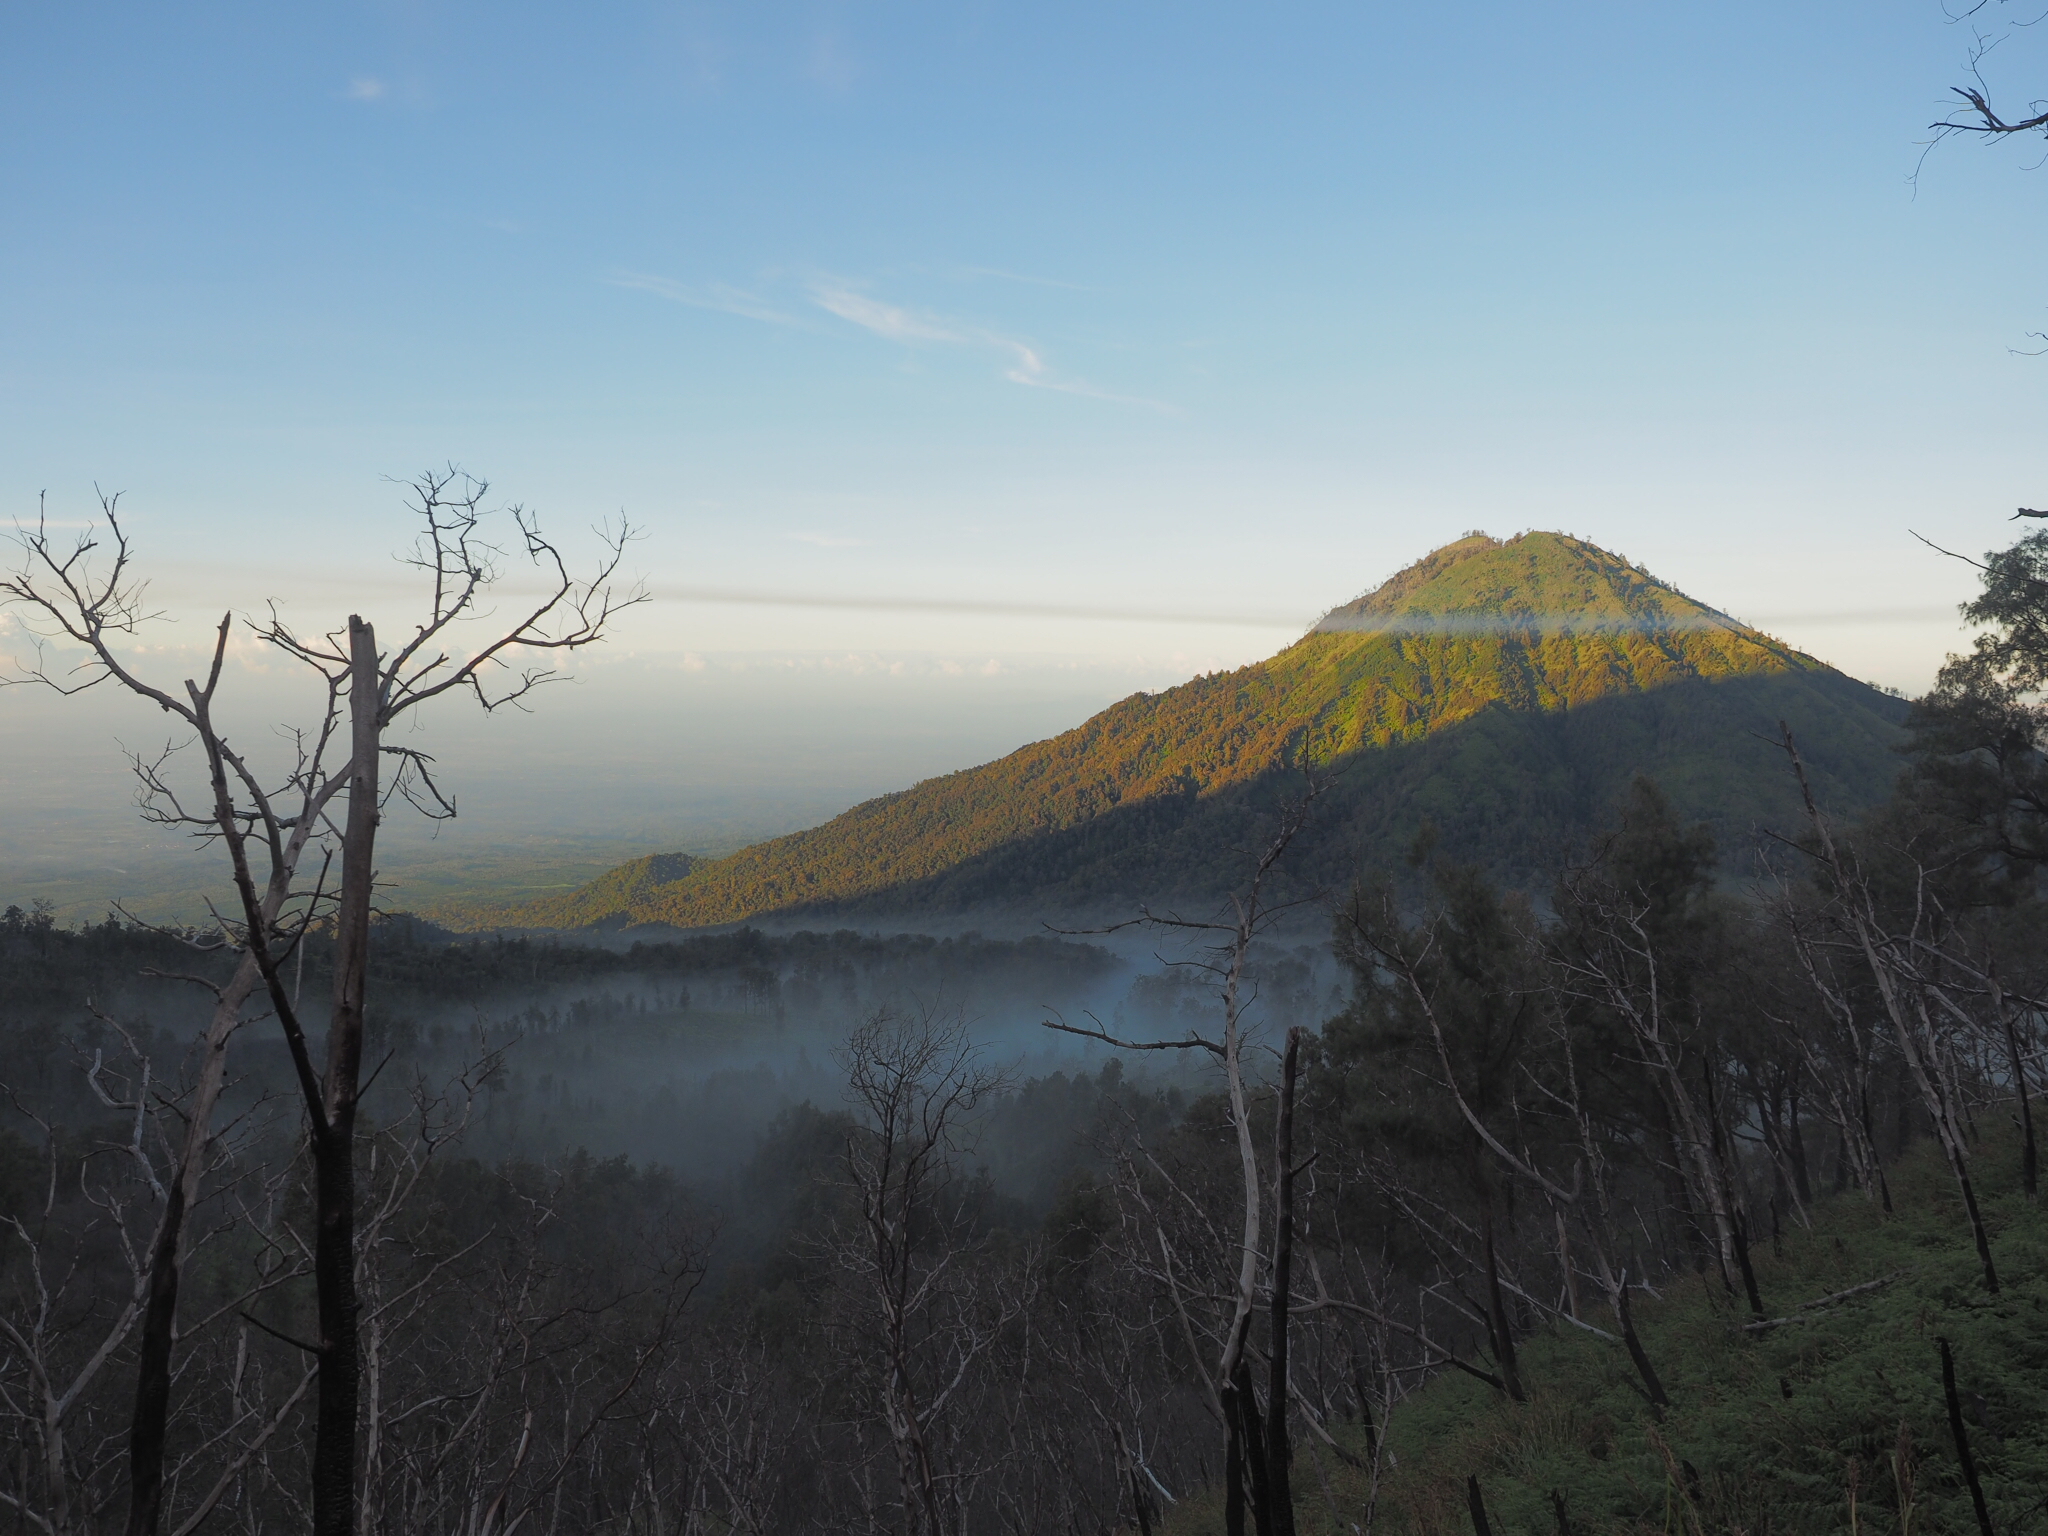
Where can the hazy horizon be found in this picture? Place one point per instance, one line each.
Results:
(632, 753)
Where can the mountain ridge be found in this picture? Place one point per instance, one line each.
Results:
(1492, 679)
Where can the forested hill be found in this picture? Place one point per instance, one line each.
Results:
(1503, 691)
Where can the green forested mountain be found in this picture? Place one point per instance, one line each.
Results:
(1502, 691)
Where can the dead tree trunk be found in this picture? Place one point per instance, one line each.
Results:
(1909, 1023)
(149, 1426)
(1653, 1388)
(1725, 1176)
(1249, 1463)
(1279, 1490)
(1133, 1482)
(914, 1085)
(1961, 1436)
(1496, 1308)
(333, 1131)
(2029, 1157)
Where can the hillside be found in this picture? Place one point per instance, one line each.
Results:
(1503, 691)
(1830, 1419)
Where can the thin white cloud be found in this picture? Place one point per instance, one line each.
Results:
(364, 88)
(826, 540)
(1030, 371)
(892, 322)
(1028, 366)
(721, 297)
(1022, 277)
(883, 319)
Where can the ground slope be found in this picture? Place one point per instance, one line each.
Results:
(1503, 691)
(1770, 1431)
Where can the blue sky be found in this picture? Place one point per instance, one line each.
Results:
(1180, 310)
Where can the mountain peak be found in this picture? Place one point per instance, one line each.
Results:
(1502, 691)
(1541, 583)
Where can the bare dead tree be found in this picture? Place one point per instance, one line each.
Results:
(1579, 1197)
(1838, 1061)
(913, 1081)
(60, 1348)
(1110, 1383)
(84, 1280)
(168, 1247)
(744, 1423)
(1977, 118)
(1617, 966)
(1890, 959)
(1279, 1454)
(88, 595)
(1251, 1479)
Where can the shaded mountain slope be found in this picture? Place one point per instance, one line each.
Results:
(1504, 691)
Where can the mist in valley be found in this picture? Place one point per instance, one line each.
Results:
(692, 1054)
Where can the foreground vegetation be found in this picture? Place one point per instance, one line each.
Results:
(1830, 1417)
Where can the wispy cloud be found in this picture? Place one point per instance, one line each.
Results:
(1027, 364)
(364, 88)
(717, 296)
(1030, 371)
(826, 540)
(1021, 277)
(884, 319)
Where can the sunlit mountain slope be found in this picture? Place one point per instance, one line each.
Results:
(1502, 691)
